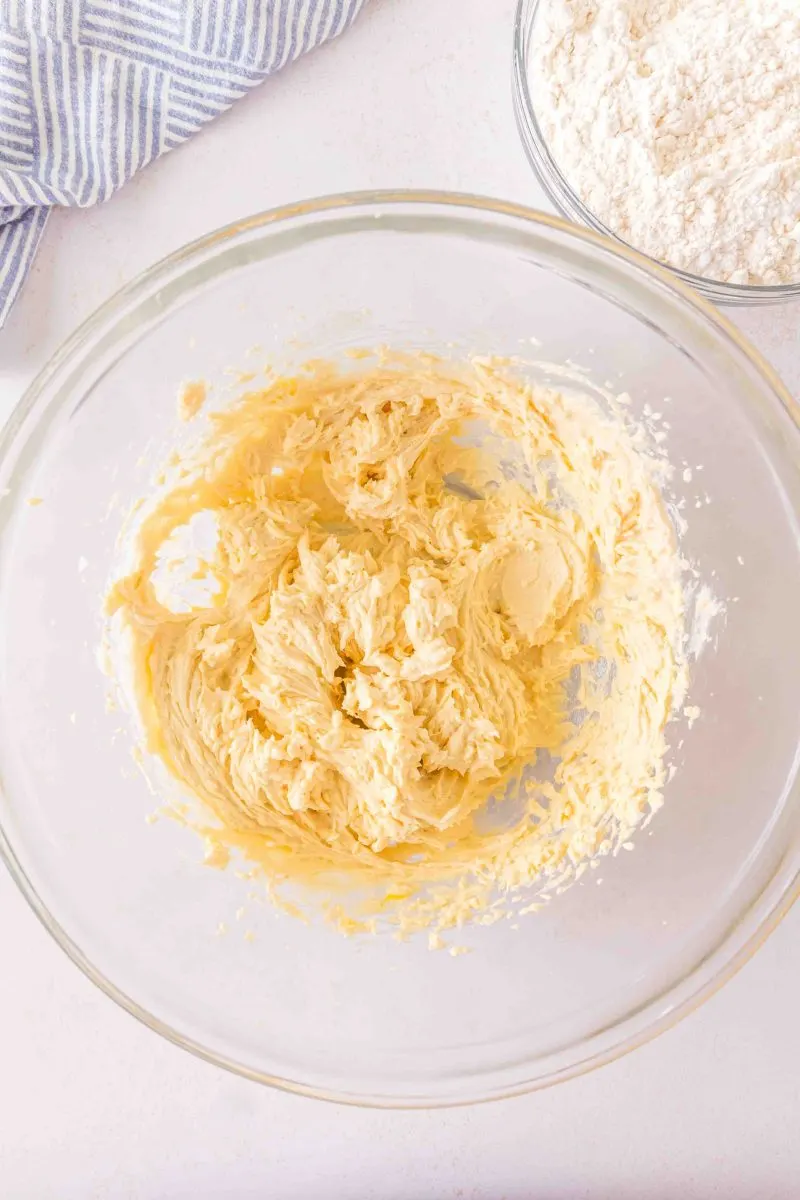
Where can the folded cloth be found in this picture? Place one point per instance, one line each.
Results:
(93, 90)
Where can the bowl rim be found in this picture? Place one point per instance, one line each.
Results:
(567, 202)
(105, 317)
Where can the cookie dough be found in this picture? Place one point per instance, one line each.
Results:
(436, 643)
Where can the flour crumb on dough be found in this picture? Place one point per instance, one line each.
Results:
(191, 398)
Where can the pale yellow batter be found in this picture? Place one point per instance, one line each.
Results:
(400, 623)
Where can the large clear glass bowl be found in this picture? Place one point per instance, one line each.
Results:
(372, 1020)
(566, 200)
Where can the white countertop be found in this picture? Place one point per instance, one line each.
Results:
(93, 1104)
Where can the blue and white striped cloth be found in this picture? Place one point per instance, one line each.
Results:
(93, 90)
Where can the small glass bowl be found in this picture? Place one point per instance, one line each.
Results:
(562, 196)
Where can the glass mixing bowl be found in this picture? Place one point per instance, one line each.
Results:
(565, 200)
(372, 1020)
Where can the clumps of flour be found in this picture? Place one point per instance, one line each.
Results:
(677, 124)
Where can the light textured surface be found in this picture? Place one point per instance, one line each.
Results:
(682, 127)
(92, 1105)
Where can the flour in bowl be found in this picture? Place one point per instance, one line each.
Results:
(677, 124)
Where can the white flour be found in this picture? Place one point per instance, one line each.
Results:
(677, 123)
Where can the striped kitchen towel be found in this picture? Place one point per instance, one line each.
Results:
(93, 90)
